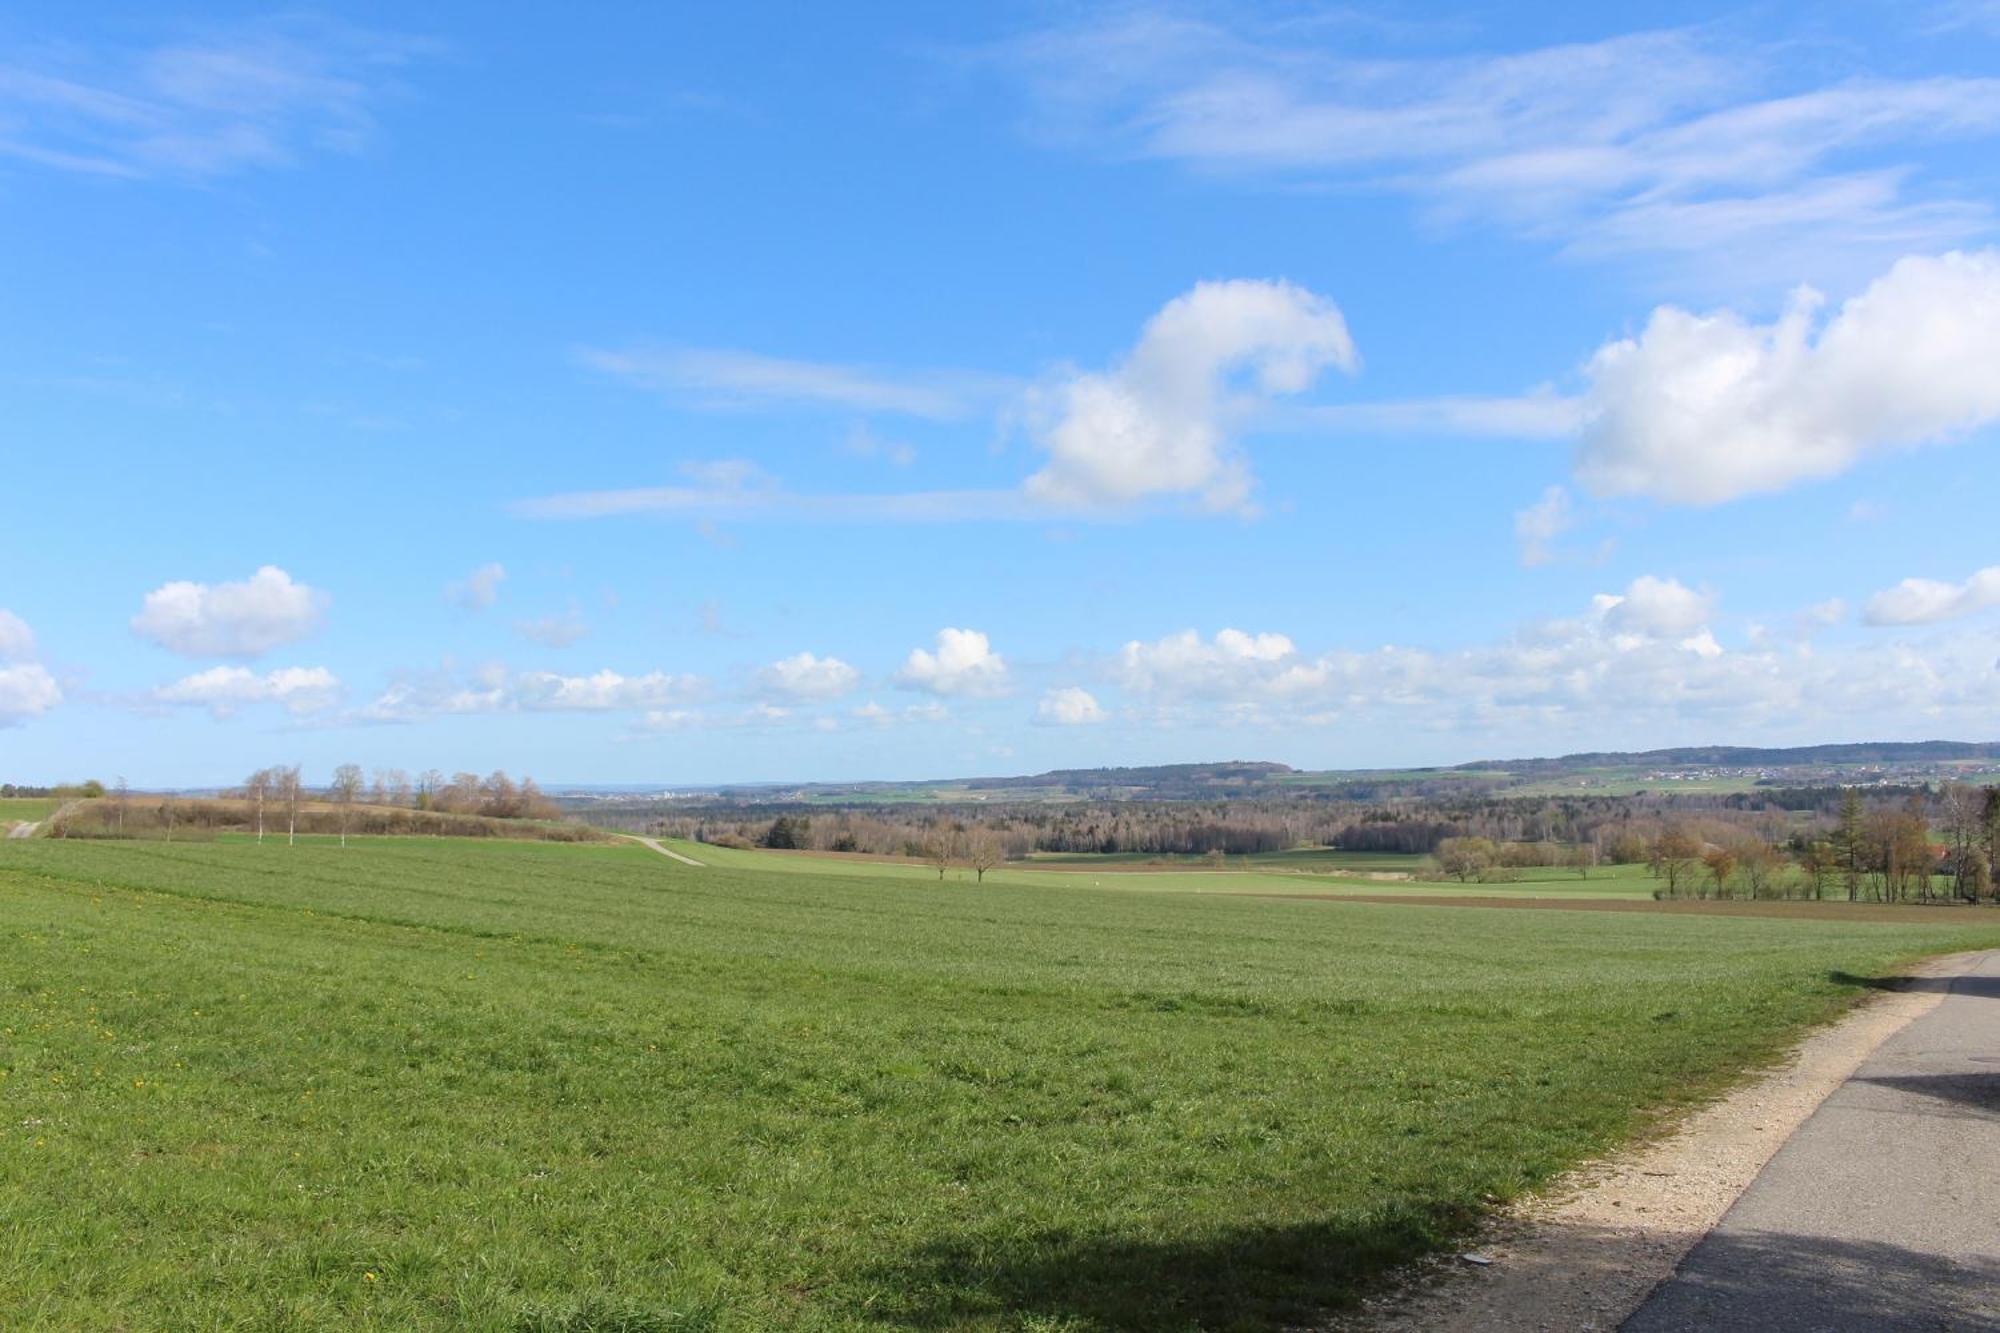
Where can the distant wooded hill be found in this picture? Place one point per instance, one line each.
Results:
(1255, 780)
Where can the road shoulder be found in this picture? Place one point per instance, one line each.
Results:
(1587, 1252)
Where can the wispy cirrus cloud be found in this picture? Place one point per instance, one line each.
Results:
(257, 96)
(763, 498)
(716, 378)
(1661, 142)
(1540, 414)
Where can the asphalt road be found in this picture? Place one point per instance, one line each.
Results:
(1882, 1212)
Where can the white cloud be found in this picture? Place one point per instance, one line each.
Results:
(1069, 707)
(805, 676)
(1704, 408)
(27, 690)
(601, 692)
(1656, 608)
(1537, 527)
(928, 711)
(495, 689)
(735, 488)
(1645, 142)
(1160, 422)
(17, 641)
(224, 689)
(479, 589)
(554, 631)
(247, 619)
(1186, 665)
(263, 96)
(717, 378)
(1926, 601)
(1633, 666)
(964, 664)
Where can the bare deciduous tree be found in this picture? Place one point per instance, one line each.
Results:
(1675, 853)
(347, 783)
(941, 848)
(983, 852)
(288, 787)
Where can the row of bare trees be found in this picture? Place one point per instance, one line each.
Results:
(1885, 854)
(495, 796)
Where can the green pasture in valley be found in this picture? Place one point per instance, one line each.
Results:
(1307, 871)
(524, 1088)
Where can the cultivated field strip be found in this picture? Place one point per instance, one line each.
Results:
(425, 1084)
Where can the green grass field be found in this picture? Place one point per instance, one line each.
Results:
(1309, 871)
(429, 1084)
(24, 809)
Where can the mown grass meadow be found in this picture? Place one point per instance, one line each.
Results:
(461, 1085)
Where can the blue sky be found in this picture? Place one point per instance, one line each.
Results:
(900, 390)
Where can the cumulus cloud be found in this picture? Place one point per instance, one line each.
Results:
(1160, 423)
(1185, 664)
(1699, 409)
(1633, 665)
(1926, 601)
(1071, 706)
(496, 689)
(963, 665)
(479, 589)
(806, 676)
(224, 689)
(27, 690)
(246, 619)
(1239, 674)
(1656, 608)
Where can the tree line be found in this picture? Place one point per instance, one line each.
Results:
(279, 800)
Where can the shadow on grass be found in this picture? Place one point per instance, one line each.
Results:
(1771, 1282)
(1240, 1280)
